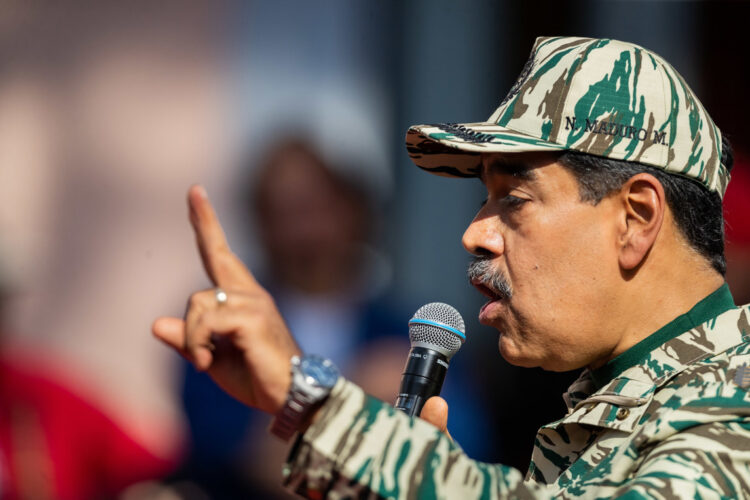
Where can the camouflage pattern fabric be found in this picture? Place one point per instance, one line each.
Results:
(676, 425)
(598, 96)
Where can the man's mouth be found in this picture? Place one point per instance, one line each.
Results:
(488, 292)
(492, 284)
(496, 303)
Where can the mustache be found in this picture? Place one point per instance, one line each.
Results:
(481, 271)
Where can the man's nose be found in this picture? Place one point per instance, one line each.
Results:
(483, 236)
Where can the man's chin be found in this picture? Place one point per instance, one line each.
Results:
(517, 357)
(514, 356)
(548, 363)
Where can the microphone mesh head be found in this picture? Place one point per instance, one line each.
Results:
(444, 318)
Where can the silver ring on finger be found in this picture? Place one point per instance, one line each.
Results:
(221, 296)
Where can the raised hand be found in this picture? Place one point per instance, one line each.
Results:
(242, 342)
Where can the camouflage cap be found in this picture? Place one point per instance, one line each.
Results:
(602, 97)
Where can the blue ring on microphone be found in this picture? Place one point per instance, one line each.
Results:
(439, 325)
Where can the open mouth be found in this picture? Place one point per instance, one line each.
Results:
(492, 284)
(497, 301)
(488, 292)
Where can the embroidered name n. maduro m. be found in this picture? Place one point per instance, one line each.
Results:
(614, 128)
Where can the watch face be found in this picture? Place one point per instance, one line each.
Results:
(322, 371)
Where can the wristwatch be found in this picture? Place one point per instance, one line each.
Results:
(313, 377)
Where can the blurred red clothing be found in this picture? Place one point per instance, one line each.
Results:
(736, 215)
(54, 444)
(737, 203)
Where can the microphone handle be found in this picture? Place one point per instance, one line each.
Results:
(423, 378)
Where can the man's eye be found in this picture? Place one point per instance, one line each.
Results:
(508, 201)
(513, 201)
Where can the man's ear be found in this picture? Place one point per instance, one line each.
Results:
(644, 205)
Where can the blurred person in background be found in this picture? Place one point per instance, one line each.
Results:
(316, 224)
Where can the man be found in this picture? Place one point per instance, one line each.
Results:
(600, 246)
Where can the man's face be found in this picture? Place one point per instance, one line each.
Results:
(555, 254)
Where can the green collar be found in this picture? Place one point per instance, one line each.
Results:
(711, 306)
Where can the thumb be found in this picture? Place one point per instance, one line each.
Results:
(435, 411)
(171, 331)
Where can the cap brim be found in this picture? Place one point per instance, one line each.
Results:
(454, 150)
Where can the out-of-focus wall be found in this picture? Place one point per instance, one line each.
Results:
(108, 112)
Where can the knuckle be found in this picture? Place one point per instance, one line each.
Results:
(194, 301)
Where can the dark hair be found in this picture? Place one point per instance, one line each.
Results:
(697, 211)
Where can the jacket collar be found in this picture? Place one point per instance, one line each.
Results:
(712, 326)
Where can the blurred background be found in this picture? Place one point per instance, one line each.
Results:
(293, 115)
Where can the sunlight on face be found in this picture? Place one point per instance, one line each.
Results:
(556, 253)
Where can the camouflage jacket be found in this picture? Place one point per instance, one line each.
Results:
(669, 418)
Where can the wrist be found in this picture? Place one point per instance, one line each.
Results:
(312, 379)
(310, 419)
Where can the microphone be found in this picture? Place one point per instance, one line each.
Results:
(436, 333)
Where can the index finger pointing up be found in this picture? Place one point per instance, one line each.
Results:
(222, 266)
